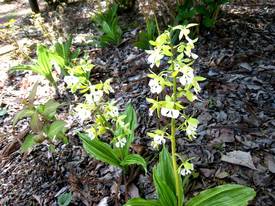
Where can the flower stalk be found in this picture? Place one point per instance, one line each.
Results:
(173, 142)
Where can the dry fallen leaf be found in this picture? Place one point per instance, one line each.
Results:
(226, 135)
(239, 158)
(271, 163)
(133, 191)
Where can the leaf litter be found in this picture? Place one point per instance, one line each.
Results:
(236, 135)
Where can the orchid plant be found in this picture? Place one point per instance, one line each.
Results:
(175, 82)
(105, 122)
(179, 80)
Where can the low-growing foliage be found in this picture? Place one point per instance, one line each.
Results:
(59, 56)
(109, 27)
(42, 65)
(106, 123)
(116, 154)
(204, 12)
(43, 122)
(145, 36)
(63, 55)
(175, 82)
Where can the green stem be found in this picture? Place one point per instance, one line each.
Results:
(109, 126)
(173, 144)
(157, 24)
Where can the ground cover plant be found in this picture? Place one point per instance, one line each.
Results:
(167, 112)
(149, 34)
(44, 125)
(108, 25)
(205, 12)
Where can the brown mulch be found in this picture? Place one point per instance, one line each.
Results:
(236, 110)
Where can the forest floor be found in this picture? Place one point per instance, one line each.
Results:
(236, 110)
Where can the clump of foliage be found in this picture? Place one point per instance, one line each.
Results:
(61, 55)
(42, 65)
(175, 82)
(149, 34)
(43, 122)
(110, 133)
(116, 154)
(108, 25)
(204, 12)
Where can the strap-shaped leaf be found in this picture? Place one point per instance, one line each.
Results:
(20, 68)
(224, 195)
(43, 59)
(166, 195)
(22, 114)
(106, 28)
(164, 169)
(100, 150)
(134, 159)
(56, 127)
(44, 63)
(142, 202)
(131, 119)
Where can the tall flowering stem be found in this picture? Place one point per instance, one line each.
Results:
(177, 81)
(173, 142)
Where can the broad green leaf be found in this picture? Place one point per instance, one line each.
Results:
(224, 195)
(208, 22)
(50, 108)
(56, 127)
(44, 63)
(61, 136)
(134, 159)
(100, 150)
(165, 194)
(22, 114)
(28, 143)
(142, 202)
(64, 199)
